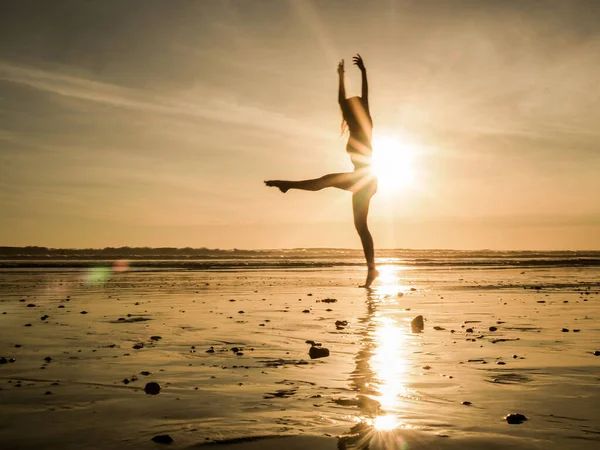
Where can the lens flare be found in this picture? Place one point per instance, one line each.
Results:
(97, 275)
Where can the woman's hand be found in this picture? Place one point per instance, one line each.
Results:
(340, 69)
(358, 61)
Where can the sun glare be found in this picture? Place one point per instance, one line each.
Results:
(393, 163)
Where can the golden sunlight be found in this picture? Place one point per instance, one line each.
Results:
(385, 423)
(393, 163)
(388, 363)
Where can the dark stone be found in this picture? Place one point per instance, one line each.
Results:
(318, 352)
(306, 311)
(31, 305)
(44, 317)
(3, 360)
(597, 353)
(565, 330)
(125, 381)
(155, 338)
(138, 346)
(61, 306)
(152, 388)
(145, 373)
(493, 328)
(48, 358)
(515, 418)
(417, 324)
(466, 403)
(341, 323)
(469, 330)
(329, 300)
(163, 439)
(437, 328)
(27, 325)
(83, 312)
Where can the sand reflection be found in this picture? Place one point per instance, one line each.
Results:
(381, 364)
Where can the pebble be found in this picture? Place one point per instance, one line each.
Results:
(417, 324)
(152, 388)
(466, 403)
(83, 312)
(162, 439)
(515, 418)
(493, 328)
(565, 330)
(3, 360)
(597, 353)
(155, 338)
(318, 352)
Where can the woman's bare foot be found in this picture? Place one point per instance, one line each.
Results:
(281, 185)
(371, 275)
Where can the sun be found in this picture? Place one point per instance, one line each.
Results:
(393, 163)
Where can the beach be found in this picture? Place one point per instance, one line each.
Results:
(229, 348)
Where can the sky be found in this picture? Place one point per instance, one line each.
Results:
(154, 123)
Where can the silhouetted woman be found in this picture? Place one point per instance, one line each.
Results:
(356, 118)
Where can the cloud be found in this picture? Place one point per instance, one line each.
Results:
(200, 104)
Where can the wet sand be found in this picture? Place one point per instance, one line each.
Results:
(492, 338)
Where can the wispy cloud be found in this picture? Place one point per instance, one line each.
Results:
(199, 104)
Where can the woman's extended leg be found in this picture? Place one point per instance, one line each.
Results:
(360, 207)
(345, 181)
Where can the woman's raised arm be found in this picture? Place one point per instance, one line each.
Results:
(358, 61)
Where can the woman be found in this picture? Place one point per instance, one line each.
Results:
(356, 118)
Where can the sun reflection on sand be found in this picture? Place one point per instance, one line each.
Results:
(387, 362)
(382, 361)
(389, 286)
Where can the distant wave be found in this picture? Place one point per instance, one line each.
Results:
(305, 262)
(148, 253)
